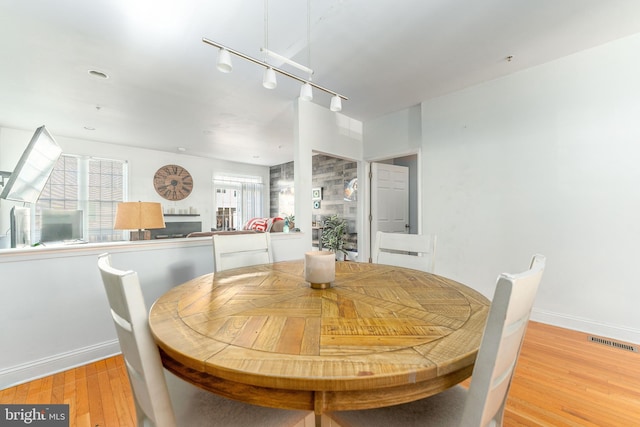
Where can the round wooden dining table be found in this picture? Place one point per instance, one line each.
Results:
(379, 336)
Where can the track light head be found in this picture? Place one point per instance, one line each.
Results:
(224, 61)
(336, 103)
(306, 92)
(269, 78)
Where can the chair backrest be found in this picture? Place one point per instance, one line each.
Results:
(141, 356)
(240, 250)
(415, 251)
(500, 347)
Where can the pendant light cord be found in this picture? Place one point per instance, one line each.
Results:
(309, 35)
(266, 27)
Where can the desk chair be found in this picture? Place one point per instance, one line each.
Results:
(162, 399)
(483, 404)
(240, 250)
(417, 251)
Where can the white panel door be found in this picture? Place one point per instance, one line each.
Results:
(389, 199)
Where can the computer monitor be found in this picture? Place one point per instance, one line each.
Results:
(61, 225)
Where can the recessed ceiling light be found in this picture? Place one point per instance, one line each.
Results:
(89, 128)
(99, 74)
(182, 149)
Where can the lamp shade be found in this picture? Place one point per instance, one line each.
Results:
(269, 79)
(139, 216)
(224, 61)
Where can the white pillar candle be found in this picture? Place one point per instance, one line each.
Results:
(320, 268)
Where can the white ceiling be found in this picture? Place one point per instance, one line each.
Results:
(164, 91)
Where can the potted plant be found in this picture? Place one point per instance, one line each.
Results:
(334, 230)
(289, 223)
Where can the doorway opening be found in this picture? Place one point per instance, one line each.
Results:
(394, 200)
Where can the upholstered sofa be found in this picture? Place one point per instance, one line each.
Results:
(254, 225)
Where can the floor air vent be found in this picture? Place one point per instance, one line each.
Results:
(612, 343)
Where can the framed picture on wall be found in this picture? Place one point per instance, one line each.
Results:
(316, 204)
(316, 193)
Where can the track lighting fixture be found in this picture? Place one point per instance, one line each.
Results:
(224, 65)
(269, 76)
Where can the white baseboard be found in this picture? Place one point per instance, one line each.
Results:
(57, 363)
(617, 332)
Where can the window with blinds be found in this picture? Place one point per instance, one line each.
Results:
(92, 185)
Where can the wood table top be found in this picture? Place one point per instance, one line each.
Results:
(380, 335)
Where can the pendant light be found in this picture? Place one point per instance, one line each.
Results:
(269, 77)
(306, 92)
(336, 103)
(224, 61)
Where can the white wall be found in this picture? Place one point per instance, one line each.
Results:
(545, 160)
(320, 130)
(393, 135)
(143, 164)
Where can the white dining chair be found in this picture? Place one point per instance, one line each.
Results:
(161, 399)
(484, 402)
(240, 250)
(417, 251)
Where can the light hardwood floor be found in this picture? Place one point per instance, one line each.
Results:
(562, 379)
